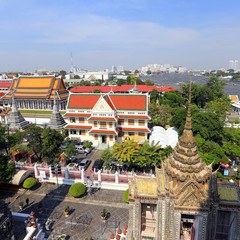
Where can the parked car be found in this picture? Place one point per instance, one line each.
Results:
(64, 144)
(84, 164)
(80, 148)
(87, 150)
(98, 164)
(73, 159)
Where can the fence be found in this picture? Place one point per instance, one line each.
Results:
(106, 179)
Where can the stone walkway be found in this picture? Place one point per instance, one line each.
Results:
(84, 221)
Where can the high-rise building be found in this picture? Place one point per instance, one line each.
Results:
(236, 65)
(231, 63)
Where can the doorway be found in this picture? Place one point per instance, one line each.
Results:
(104, 138)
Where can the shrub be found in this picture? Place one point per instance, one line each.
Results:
(87, 144)
(39, 162)
(219, 175)
(29, 182)
(20, 204)
(77, 189)
(71, 165)
(125, 195)
(22, 160)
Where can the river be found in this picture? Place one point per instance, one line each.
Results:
(176, 79)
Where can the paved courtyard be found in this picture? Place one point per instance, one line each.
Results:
(84, 221)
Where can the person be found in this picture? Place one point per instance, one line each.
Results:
(27, 201)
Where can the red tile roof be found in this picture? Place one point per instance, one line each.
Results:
(128, 102)
(5, 84)
(168, 88)
(134, 116)
(102, 131)
(83, 100)
(1, 94)
(78, 126)
(103, 118)
(135, 129)
(77, 114)
(106, 89)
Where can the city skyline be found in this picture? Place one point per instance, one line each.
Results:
(196, 35)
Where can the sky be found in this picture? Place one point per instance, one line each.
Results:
(199, 34)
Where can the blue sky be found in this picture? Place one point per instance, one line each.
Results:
(42, 34)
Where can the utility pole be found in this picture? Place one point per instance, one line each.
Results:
(56, 169)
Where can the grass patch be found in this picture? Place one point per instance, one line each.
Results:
(47, 112)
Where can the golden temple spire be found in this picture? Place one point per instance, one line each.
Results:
(188, 124)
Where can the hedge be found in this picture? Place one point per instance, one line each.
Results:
(125, 195)
(29, 182)
(77, 189)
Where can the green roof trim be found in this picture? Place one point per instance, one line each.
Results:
(228, 193)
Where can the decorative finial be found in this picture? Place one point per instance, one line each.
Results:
(188, 124)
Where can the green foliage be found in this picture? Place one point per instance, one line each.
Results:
(172, 98)
(70, 149)
(149, 83)
(76, 77)
(104, 213)
(126, 151)
(29, 182)
(149, 72)
(106, 156)
(96, 91)
(7, 170)
(154, 96)
(160, 115)
(219, 175)
(178, 119)
(20, 204)
(125, 195)
(148, 154)
(22, 160)
(67, 208)
(77, 189)
(87, 144)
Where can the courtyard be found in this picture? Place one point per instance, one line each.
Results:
(84, 220)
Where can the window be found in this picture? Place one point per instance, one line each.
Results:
(121, 134)
(82, 132)
(89, 122)
(141, 134)
(110, 124)
(96, 137)
(111, 137)
(130, 122)
(81, 120)
(72, 120)
(131, 113)
(121, 122)
(131, 134)
(95, 124)
(73, 131)
(141, 122)
(103, 124)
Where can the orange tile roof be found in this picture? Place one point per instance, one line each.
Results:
(102, 131)
(77, 114)
(103, 118)
(134, 116)
(83, 100)
(37, 87)
(135, 129)
(78, 126)
(133, 102)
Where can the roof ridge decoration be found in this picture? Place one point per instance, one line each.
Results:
(185, 162)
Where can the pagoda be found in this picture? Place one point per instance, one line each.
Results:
(183, 200)
(16, 120)
(56, 122)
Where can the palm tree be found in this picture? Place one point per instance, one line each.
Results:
(126, 151)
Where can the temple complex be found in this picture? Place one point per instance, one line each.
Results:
(37, 92)
(184, 199)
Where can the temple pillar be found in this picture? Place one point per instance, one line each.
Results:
(159, 219)
(177, 219)
(137, 219)
(236, 227)
(212, 222)
(202, 232)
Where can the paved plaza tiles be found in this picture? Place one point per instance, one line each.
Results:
(84, 221)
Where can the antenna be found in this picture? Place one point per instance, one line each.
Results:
(71, 62)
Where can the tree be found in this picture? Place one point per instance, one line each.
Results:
(219, 106)
(76, 77)
(126, 151)
(96, 91)
(149, 72)
(63, 73)
(149, 82)
(106, 156)
(71, 149)
(148, 154)
(121, 82)
(7, 170)
(136, 71)
(154, 96)
(160, 115)
(172, 98)
(51, 141)
(216, 86)
(178, 119)
(208, 126)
